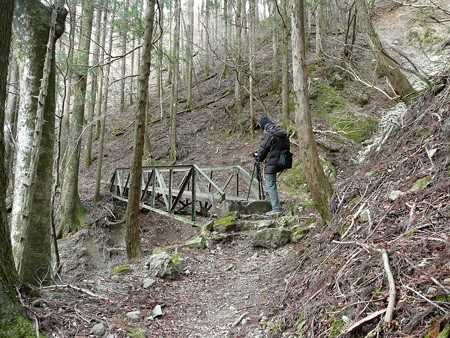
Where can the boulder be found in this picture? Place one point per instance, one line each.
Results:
(272, 237)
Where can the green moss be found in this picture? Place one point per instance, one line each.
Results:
(225, 224)
(336, 328)
(138, 333)
(421, 184)
(442, 298)
(120, 269)
(332, 107)
(329, 170)
(19, 328)
(298, 233)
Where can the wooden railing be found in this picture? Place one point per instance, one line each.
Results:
(178, 191)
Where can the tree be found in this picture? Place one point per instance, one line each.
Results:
(390, 68)
(189, 51)
(72, 211)
(11, 318)
(285, 82)
(318, 184)
(133, 242)
(174, 82)
(32, 207)
(93, 90)
(103, 101)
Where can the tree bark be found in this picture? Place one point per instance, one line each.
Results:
(10, 311)
(318, 184)
(36, 30)
(93, 90)
(72, 211)
(104, 105)
(12, 110)
(133, 242)
(390, 68)
(285, 83)
(175, 65)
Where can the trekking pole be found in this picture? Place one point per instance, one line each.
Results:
(260, 181)
(251, 180)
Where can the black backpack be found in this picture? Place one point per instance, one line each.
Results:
(284, 160)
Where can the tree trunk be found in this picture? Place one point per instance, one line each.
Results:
(12, 110)
(93, 90)
(104, 105)
(10, 312)
(390, 68)
(285, 83)
(189, 52)
(175, 65)
(238, 61)
(133, 241)
(124, 61)
(72, 211)
(252, 75)
(31, 214)
(318, 184)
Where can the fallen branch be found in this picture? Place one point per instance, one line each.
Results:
(426, 299)
(392, 293)
(54, 287)
(362, 321)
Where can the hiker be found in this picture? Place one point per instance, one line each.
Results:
(274, 140)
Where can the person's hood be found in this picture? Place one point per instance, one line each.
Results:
(275, 130)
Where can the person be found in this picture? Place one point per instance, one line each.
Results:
(274, 140)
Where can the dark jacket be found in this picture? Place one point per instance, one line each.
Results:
(274, 140)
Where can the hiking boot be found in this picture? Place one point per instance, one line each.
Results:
(274, 212)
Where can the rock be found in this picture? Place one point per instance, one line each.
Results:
(163, 265)
(272, 238)
(225, 224)
(134, 314)
(395, 194)
(298, 233)
(245, 208)
(364, 216)
(98, 330)
(148, 282)
(198, 242)
(157, 311)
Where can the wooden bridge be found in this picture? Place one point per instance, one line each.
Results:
(185, 191)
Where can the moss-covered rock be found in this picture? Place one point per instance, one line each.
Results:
(272, 237)
(225, 224)
(298, 233)
(421, 184)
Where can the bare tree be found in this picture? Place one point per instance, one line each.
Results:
(175, 77)
(318, 184)
(72, 211)
(133, 242)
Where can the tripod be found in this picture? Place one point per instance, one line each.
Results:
(257, 170)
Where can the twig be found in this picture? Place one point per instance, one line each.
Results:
(362, 321)
(54, 287)
(236, 323)
(353, 220)
(392, 293)
(440, 285)
(425, 298)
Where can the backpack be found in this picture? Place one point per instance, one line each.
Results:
(284, 160)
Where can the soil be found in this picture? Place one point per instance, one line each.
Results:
(333, 277)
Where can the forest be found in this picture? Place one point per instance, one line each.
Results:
(124, 122)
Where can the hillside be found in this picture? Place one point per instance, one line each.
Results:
(391, 196)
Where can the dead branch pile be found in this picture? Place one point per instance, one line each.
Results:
(382, 267)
